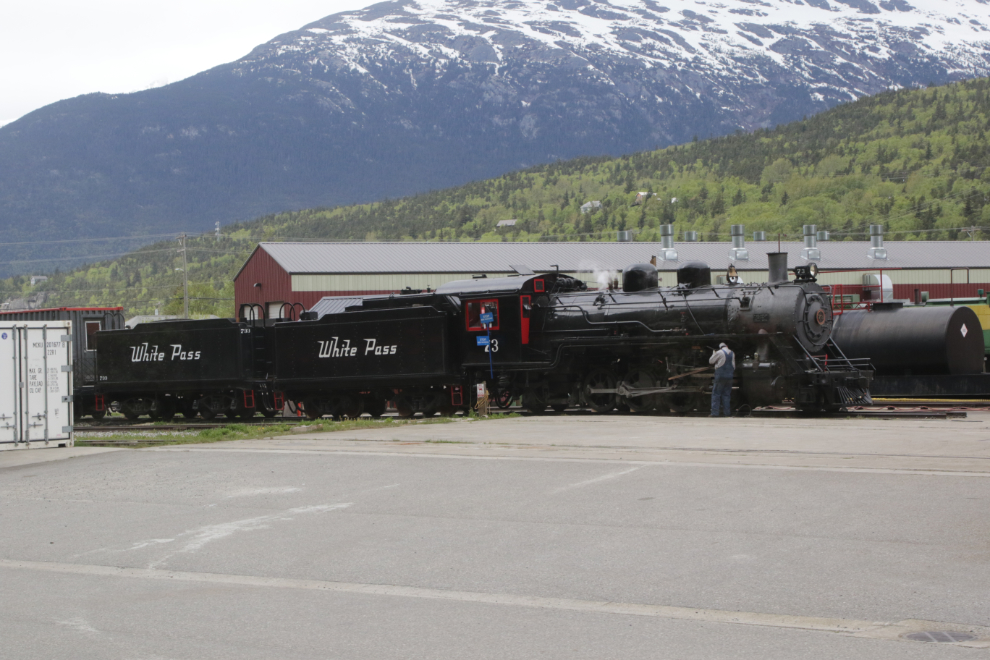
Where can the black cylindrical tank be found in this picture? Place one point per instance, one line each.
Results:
(639, 277)
(915, 340)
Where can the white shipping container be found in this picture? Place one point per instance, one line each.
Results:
(35, 384)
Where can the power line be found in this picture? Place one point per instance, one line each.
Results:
(88, 256)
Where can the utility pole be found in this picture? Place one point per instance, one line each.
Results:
(185, 278)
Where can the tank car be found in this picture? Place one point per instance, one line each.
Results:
(209, 367)
(918, 351)
(914, 340)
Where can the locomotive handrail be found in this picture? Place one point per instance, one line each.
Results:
(623, 322)
(293, 315)
(251, 306)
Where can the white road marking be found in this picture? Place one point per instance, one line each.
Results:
(197, 538)
(888, 630)
(549, 459)
(604, 477)
(250, 492)
(79, 624)
(201, 536)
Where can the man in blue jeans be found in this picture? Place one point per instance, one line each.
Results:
(725, 365)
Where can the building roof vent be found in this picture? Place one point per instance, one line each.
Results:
(823, 235)
(810, 250)
(877, 250)
(738, 251)
(690, 237)
(667, 251)
(759, 236)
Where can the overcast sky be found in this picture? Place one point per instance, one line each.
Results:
(56, 49)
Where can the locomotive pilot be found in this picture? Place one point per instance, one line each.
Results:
(725, 365)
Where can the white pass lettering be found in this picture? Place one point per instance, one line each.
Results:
(336, 347)
(149, 353)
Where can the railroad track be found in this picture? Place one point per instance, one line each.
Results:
(901, 410)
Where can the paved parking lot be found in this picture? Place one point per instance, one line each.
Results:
(557, 537)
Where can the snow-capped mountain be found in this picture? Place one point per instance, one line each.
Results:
(679, 66)
(406, 96)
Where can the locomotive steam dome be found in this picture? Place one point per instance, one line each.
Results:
(694, 274)
(638, 277)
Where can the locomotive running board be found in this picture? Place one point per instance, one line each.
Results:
(622, 390)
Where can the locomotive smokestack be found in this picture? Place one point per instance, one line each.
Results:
(778, 267)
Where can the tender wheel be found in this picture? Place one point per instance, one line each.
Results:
(268, 412)
(374, 405)
(98, 414)
(640, 379)
(599, 379)
(187, 410)
(312, 409)
(211, 406)
(130, 414)
(559, 407)
(165, 409)
(404, 406)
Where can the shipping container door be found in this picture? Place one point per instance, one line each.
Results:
(45, 414)
(9, 379)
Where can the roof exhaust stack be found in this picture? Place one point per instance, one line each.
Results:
(778, 267)
(810, 251)
(877, 250)
(823, 235)
(759, 236)
(690, 237)
(738, 251)
(667, 251)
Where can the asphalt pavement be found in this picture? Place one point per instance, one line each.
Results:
(557, 537)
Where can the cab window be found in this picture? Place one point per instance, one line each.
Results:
(92, 327)
(475, 308)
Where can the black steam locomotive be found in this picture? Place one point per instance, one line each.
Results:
(545, 338)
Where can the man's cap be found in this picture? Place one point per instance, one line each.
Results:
(722, 345)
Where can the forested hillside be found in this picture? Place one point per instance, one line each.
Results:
(913, 160)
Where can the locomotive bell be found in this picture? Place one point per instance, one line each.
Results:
(694, 274)
(638, 277)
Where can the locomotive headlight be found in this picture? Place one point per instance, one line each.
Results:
(813, 269)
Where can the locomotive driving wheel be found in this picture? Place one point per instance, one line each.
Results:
(599, 379)
(642, 379)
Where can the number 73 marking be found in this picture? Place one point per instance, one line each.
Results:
(493, 346)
